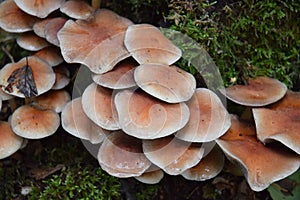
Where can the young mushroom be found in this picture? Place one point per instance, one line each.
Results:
(152, 175)
(31, 41)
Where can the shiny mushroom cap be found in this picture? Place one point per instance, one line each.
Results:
(77, 9)
(147, 44)
(31, 41)
(52, 28)
(62, 77)
(51, 55)
(170, 84)
(152, 175)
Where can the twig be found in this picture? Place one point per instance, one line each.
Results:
(8, 54)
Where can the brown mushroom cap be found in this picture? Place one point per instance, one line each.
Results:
(280, 121)
(61, 77)
(31, 41)
(147, 44)
(261, 165)
(170, 84)
(52, 28)
(103, 34)
(260, 91)
(121, 155)
(172, 155)
(51, 55)
(4, 96)
(75, 122)
(120, 77)
(77, 9)
(208, 167)
(145, 117)
(39, 27)
(39, 8)
(152, 175)
(43, 75)
(13, 19)
(97, 103)
(209, 119)
(9, 141)
(32, 122)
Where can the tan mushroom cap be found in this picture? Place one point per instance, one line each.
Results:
(62, 78)
(9, 141)
(31, 41)
(145, 117)
(103, 34)
(172, 155)
(39, 8)
(262, 165)
(147, 44)
(260, 91)
(43, 75)
(152, 175)
(51, 55)
(280, 121)
(122, 156)
(4, 96)
(52, 28)
(39, 27)
(97, 103)
(54, 100)
(77, 9)
(209, 119)
(208, 167)
(75, 122)
(120, 77)
(13, 19)
(167, 83)
(32, 122)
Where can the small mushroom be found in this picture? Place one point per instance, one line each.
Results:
(145, 117)
(75, 122)
(9, 141)
(147, 44)
(102, 34)
(262, 165)
(77, 9)
(52, 28)
(39, 27)
(209, 119)
(122, 156)
(32, 122)
(260, 91)
(61, 77)
(51, 55)
(172, 155)
(31, 41)
(152, 175)
(170, 84)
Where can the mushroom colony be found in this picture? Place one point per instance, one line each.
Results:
(146, 114)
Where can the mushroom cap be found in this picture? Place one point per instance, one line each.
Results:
(75, 122)
(13, 19)
(9, 141)
(39, 8)
(102, 34)
(209, 119)
(43, 75)
(31, 41)
(61, 77)
(147, 44)
(170, 84)
(145, 117)
(280, 121)
(97, 103)
(152, 175)
(4, 96)
(32, 122)
(261, 165)
(51, 55)
(122, 156)
(52, 28)
(260, 91)
(208, 167)
(120, 77)
(39, 27)
(172, 155)
(77, 9)
(54, 100)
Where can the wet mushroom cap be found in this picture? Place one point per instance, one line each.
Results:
(209, 119)
(13, 19)
(145, 117)
(122, 155)
(167, 83)
(9, 141)
(51, 55)
(39, 8)
(260, 91)
(31, 122)
(172, 155)
(77, 9)
(31, 41)
(147, 44)
(103, 33)
(262, 165)
(75, 122)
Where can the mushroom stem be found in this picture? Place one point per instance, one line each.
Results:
(96, 4)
